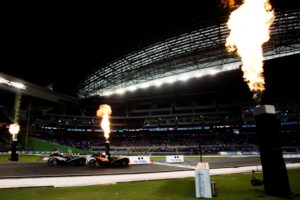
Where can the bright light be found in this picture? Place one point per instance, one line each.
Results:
(184, 77)
(199, 74)
(12, 83)
(2, 80)
(18, 85)
(120, 91)
(132, 88)
(213, 72)
(174, 78)
(180, 77)
(249, 29)
(170, 80)
(108, 93)
(158, 83)
(14, 130)
(105, 112)
(144, 85)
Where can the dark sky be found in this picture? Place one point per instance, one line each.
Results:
(59, 43)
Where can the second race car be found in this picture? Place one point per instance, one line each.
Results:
(110, 161)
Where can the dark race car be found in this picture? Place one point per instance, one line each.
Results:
(58, 159)
(111, 161)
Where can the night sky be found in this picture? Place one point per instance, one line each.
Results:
(59, 44)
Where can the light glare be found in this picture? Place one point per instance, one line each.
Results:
(12, 83)
(14, 129)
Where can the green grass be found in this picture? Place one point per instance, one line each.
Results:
(22, 158)
(42, 145)
(232, 187)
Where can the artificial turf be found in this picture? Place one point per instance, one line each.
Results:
(233, 186)
(22, 158)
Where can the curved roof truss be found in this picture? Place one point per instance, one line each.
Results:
(191, 54)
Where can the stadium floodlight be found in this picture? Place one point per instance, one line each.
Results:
(18, 85)
(198, 75)
(107, 93)
(2, 80)
(120, 91)
(232, 65)
(173, 78)
(169, 80)
(132, 88)
(12, 83)
(213, 72)
(145, 85)
(158, 83)
(183, 77)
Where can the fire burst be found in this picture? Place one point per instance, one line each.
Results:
(14, 130)
(105, 112)
(249, 25)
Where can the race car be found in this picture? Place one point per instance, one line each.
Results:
(108, 161)
(56, 158)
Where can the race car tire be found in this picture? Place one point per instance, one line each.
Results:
(125, 163)
(92, 163)
(52, 162)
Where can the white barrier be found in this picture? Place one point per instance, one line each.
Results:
(291, 156)
(202, 181)
(139, 160)
(238, 153)
(175, 159)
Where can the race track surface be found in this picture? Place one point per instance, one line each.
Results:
(41, 169)
(21, 170)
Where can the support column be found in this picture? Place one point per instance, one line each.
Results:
(14, 155)
(276, 182)
(107, 148)
(17, 106)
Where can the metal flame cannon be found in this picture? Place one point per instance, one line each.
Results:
(275, 181)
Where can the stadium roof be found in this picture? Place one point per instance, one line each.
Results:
(188, 55)
(57, 46)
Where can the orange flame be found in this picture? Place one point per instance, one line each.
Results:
(105, 112)
(249, 25)
(228, 3)
(14, 130)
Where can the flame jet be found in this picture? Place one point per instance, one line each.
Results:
(105, 112)
(228, 3)
(249, 29)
